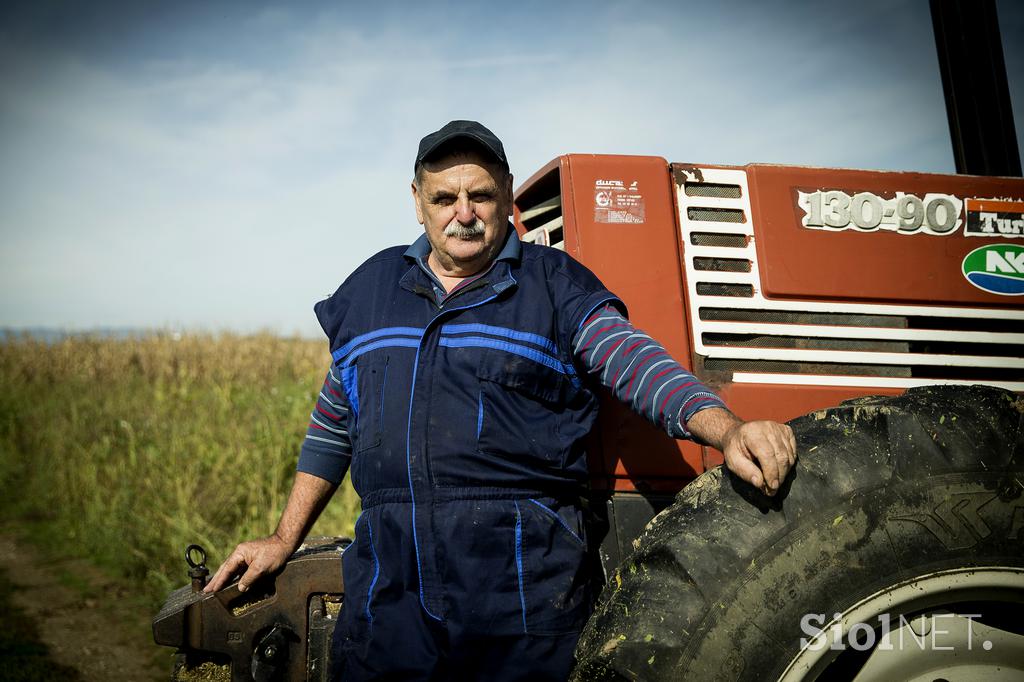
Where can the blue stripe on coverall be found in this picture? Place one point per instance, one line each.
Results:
(376, 571)
(397, 342)
(514, 334)
(551, 512)
(519, 563)
(408, 441)
(514, 348)
(408, 468)
(376, 334)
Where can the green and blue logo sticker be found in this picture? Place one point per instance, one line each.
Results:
(996, 268)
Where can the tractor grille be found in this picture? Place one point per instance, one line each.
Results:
(541, 213)
(739, 332)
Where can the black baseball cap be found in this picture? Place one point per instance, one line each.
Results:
(470, 130)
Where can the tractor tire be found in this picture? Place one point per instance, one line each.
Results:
(898, 508)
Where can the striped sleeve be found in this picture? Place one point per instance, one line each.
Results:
(327, 449)
(640, 372)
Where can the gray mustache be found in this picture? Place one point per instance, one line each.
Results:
(457, 229)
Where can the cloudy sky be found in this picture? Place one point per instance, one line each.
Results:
(223, 165)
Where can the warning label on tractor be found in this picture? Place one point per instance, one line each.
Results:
(994, 218)
(617, 202)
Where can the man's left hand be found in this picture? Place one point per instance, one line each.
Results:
(760, 452)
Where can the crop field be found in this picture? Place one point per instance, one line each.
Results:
(125, 451)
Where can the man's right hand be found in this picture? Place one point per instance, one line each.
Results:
(259, 558)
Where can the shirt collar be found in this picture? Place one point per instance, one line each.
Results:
(511, 251)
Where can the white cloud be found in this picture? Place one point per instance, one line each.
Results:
(232, 193)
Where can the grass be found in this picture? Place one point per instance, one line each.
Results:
(124, 451)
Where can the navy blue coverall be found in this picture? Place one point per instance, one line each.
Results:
(467, 422)
(466, 417)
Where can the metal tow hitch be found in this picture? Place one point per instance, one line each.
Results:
(279, 629)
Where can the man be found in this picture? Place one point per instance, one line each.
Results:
(460, 394)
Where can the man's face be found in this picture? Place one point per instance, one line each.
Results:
(463, 202)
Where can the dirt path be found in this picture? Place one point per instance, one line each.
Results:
(87, 621)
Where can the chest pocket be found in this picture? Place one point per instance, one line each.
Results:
(521, 409)
(369, 380)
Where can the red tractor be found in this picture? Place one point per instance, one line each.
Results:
(884, 307)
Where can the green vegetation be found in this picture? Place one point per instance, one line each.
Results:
(126, 451)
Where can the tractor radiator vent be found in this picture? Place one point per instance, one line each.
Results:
(540, 212)
(740, 335)
(712, 189)
(722, 264)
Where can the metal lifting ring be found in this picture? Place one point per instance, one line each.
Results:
(202, 554)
